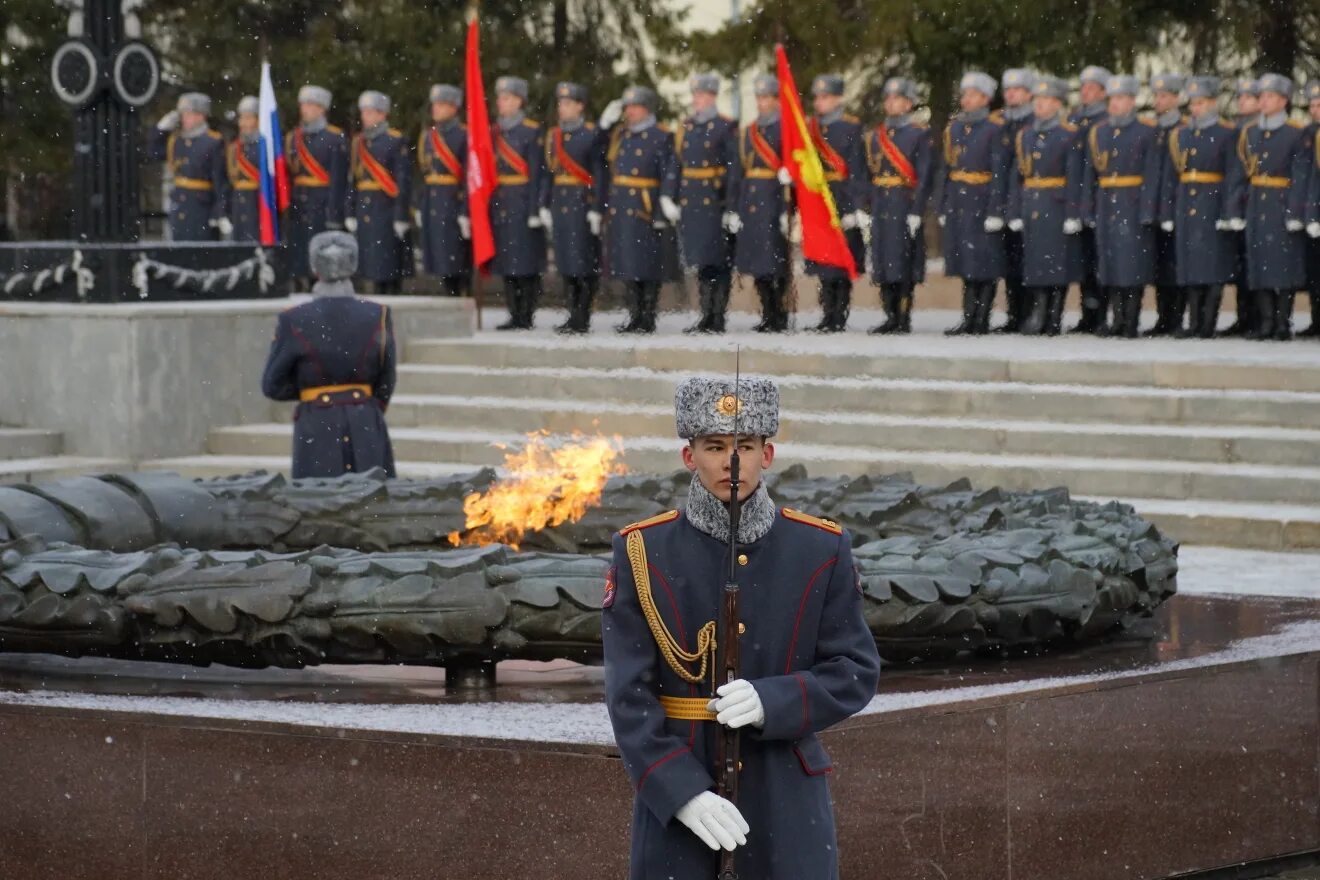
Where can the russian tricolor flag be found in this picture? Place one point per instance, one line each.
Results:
(274, 192)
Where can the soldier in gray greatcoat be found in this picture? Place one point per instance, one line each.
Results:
(194, 156)
(515, 206)
(441, 215)
(243, 161)
(380, 183)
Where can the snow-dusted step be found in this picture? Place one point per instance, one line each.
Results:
(1236, 524)
(1191, 443)
(1113, 477)
(1185, 364)
(29, 443)
(27, 470)
(997, 400)
(206, 466)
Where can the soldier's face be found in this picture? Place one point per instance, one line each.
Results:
(1272, 102)
(702, 101)
(1090, 92)
(635, 113)
(1016, 96)
(1045, 106)
(507, 103)
(1202, 106)
(442, 111)
(1121, 105)
(570, 110)
(973, 99)
(766, 104)
(188, 119)
(897, 105)
(309, 112)
(1165, 101)
(371, 117)
(1314, 107)
(247, 122)
(826, 104)
(708, 458)
(1248, 104)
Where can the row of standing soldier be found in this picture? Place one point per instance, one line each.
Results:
(1102, 198)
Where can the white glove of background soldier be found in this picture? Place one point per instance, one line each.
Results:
(417, 218)
(1166, 225)
(671, 211)
(464, 226)
(350, 224)
(737, 704)
(715, 820)
(1072, 226)
(914, 224)
(861, 220)
(593, 222)
(1015, 224)
(613, 112)
(400, 229)
(785, 176)
(1313, 229)
(1237, 224)
(225, 225)
(732, 222)
(544, 218)
(993, 224)
(1293, 225)
(169, 121)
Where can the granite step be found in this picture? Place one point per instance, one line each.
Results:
(18, 443)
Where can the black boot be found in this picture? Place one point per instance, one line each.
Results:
(768, 293)
(1209, 311)
(1104, 297)
(720, 303)
(1034, 325)
(1312, 331)
(531, 297)
(1192, 301)
(650, 305)
(985, 303)
(905, 309)
(1283, 310)
(1129, 309)
(842, 305)
(455, 285)
(780, 302)
(1245, 322)
(1163, 305)
(1018, 301)
(889, 296)
(828, 295)
(634, 322)
(575, 291)
(1094, 304)
(705, 295)
(1054, 311)
(1262, 304)
(512, 302)
(968, 311)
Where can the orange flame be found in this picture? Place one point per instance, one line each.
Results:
(551, 480)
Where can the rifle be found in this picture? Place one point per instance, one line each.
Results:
(727, 763)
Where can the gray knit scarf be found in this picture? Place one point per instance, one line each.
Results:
(711, 515)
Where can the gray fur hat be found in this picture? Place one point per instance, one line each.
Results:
(333, 255)
(513, 85)
(447, 94)
(1248, 86)
(1122, 84)
(766, 86)
(706, 405)
(641, 96)
(571, 91)
(249, 104)
(314, 95)
(373, 100)
(1168, 82)
(1051, 87)
(827, 84)
(1277, 83)
(1095, 74)
(1203, 87)
(1017, 78)
(194, 102)
(901, 86)
(704, 82)
(978, 81)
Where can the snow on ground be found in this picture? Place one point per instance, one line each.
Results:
(1227, 571)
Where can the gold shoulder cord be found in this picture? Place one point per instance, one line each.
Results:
(670, 648)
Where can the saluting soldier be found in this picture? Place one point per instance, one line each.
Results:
(808, 659)
(1123, 171)
(317, 155)
(643, 184)
(1170, 298)
(244, 169)
(838, 139)
(1045, 205)
(516, 216)
(758, 207)
(1200, 188)
(1312, 95)
(442, 207)
(194, 157)
(976, 157)
(1016, 84)
(574, 194)
(706, 148)
(1277, 158)
(378, 199)
(335, 355)
(1247, 110)
(898, 156)
(1094, 106)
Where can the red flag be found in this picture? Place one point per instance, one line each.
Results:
(480, 157)
(822, 235)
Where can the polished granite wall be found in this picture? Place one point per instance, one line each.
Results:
(1131, 778)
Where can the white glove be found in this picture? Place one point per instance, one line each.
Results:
(1313, 229)
(1237, 224)
(1221, 226)
(861, 220)
(169, 121)
(1072, 226)
(914, 224)
(417, 218)
(593, 222)
(1293, 225)
(785, 176)
(1167, 225)
(942, 220)
(671, 211)
(659, 224)
(993, 224)
(1016, 224)
(783, 224)
(613, 111)
(1090, 224)
(534, 221)
(737, 705)
(350, 224)
(226, 226)
(400, 229)
(547, 219)
(464, 226)
(732, 222)
(715, 820)
(848, 221)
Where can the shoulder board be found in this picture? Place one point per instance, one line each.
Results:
(590, 126)
(334, 129)
(1293, 123)
(996, 116)
(825, 524)
(394, 132)
(660, 126)
(1069, 126)
(726, 118)
(667, 516)
(214, 135)
(1150, 123)
(921, 125)
(1227, 123)
(848, 117)
(531, 123)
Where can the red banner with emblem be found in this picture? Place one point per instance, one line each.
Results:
(481, 154)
